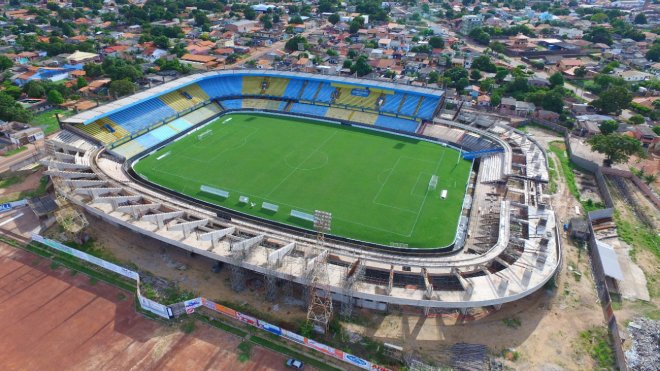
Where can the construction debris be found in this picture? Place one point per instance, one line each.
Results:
(644, 355)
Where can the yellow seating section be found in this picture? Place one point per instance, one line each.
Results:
(252, 85)
(256, 103)
(196, 93)
(96, 130)
(364, 117)
(276, 86)
(338, 113)
(369, 102)
(177, 101)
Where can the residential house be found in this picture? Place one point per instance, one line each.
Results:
(241, 26)
(633, 75)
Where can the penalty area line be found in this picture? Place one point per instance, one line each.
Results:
(163, 155)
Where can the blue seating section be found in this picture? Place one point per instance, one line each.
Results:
(473, 143)
(282, 105)
(223, 87)
(396, 123)
(427, 108)
(292, 90)
(309, 109)
(409, 105)
(142, 115)
(232, 103)
(325, 94)
(310, 90)
(180, 124)
(392, 103)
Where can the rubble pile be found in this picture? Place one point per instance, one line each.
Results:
(644, 355)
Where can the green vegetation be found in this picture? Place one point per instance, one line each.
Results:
(553, 175)
(39, 191)
(559, 149)
(637, 234)
(374, 184)
(513, 322)
(47, 121)
(244, 350)
(597, 342)
(188, 326)
(8, 182)
(14, 151)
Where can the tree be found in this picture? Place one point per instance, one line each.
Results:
(5, 63)
(334, 18)
(296, 20)
(656, 130)
(81, 82)
(475, 75)
(121, 87)
(433, 77)
(93, 70)
(640, 18)
(608, 127)
(361, 67)
(598, 34)
(249, 13)
(34, 89)
(480, 36)
(483, 63)
(617, 147)
(293, 43)
(636, 119)
(55, 97)
(653, 54)
(354, 27)
(497, 47)
(12, 111)
(437, 42)
(162, 42)
(553, 101)
(556, 80)
(613, 99)
(581, 72)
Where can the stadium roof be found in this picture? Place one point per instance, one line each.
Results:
(118, 105)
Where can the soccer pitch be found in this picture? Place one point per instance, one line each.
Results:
(376, 185)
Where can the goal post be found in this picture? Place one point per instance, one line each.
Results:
(204, 134)
(433, 183)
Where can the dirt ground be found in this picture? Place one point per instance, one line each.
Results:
(54, 319)
(29, 183)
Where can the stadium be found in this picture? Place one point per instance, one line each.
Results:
(351, 191)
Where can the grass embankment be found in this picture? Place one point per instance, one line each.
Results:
(47, 121)
(567, 169)
(14, 151)
(598, 344)
(37, 192)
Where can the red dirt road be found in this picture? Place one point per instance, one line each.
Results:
(51, 319)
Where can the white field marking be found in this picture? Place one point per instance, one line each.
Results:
(386, 179)
(227, 120)
(417, 182)
(283, 204)
(437, 166)
(11, 219)
(303, 161)
(163, 155)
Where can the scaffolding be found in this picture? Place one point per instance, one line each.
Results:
(320, 308)
(354, 273)
(71, 220)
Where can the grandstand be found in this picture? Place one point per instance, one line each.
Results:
(497, 261)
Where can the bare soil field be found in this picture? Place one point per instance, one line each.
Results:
(54, 319)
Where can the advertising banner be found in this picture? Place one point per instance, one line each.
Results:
(86, 257)
(270, 328)
(193, 303)
(153, 307)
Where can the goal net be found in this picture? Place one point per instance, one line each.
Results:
(204, 134)
(433, 183)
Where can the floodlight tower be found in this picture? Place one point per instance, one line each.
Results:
(320, 305)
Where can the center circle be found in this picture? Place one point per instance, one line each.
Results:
(304, 161)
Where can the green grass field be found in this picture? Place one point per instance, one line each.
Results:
(374, 184)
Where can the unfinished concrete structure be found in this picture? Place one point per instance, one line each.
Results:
(510, 249)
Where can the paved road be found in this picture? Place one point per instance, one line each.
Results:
(7, 162)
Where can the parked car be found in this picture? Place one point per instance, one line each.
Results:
(294, 363)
